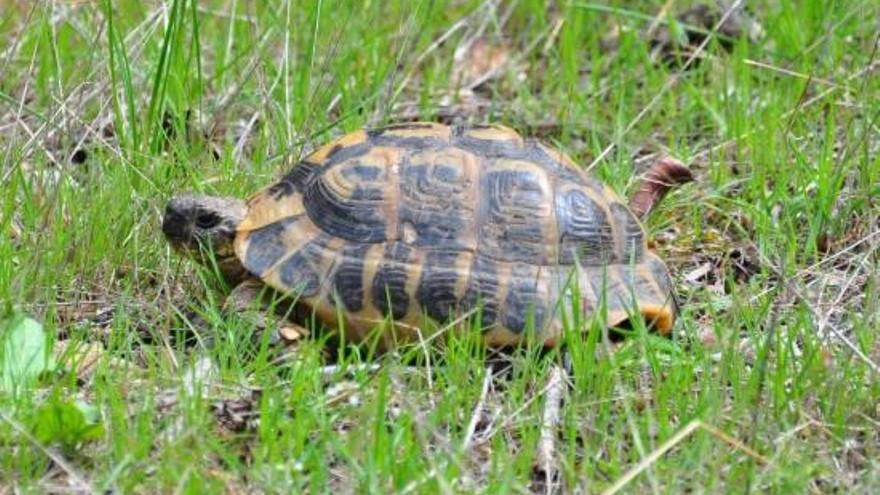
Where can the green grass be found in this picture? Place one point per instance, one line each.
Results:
(776, 346)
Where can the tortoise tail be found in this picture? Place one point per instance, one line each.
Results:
(664, 174)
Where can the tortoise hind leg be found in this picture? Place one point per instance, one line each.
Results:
(250, 301)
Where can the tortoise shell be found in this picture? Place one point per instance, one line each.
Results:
(426, 222)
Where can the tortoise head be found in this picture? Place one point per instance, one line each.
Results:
(204, 227)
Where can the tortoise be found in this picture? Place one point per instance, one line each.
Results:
(418, 224)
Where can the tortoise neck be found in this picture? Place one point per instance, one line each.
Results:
(233, 271)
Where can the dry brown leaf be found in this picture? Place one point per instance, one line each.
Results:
(239, 414)
(478, 61)
(699, 273)
(14, 229)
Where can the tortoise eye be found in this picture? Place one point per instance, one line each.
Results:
(207, 220)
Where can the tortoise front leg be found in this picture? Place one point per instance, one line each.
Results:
(249, 300)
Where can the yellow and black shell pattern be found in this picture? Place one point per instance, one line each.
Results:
(420, 223)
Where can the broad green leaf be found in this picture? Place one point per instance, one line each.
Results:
(67, 423)
(23, 353)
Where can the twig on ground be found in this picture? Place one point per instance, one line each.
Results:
(478, 411)
(545, 461)
(333, 369)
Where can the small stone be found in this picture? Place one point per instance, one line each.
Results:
(290, 333)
